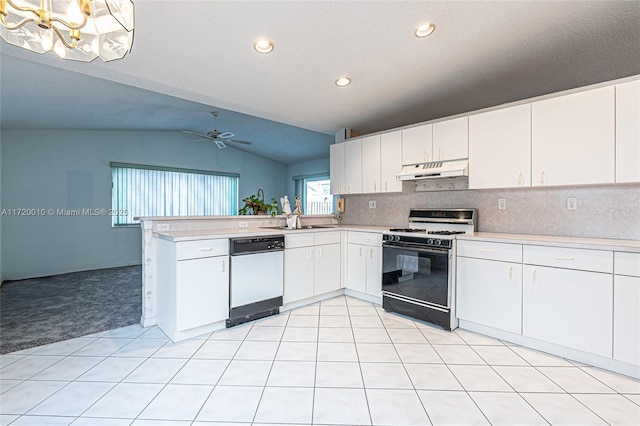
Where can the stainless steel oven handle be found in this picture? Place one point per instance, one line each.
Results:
(417, 248)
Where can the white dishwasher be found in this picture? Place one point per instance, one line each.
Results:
(256, 281)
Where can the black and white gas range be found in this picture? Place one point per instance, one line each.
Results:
(418, 264)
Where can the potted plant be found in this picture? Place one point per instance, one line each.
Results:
(255, 204)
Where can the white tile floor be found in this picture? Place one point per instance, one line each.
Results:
(339, 362)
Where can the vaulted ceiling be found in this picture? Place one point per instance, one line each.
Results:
(191, 57)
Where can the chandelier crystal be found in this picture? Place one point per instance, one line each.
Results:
(79, 30)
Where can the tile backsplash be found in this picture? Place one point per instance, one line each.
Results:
(603, 211)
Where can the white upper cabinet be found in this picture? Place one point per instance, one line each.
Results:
(628, 132)
(573, 139)
(337, 168)
(500, 148)
(451, 139)
(417, 144)
(390, 161)
(371, 164)
(353, 166)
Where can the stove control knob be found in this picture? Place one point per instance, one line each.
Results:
(437, 242)
(430, 241)
(397, 237)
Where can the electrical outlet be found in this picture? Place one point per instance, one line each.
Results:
(502, 204)
(572, 203)
(162, 227)
(372, 204)
(243, 224)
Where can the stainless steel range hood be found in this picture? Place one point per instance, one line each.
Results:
(434, 170)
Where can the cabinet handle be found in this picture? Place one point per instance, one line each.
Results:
(510, 272)
(386, 187)
(319, 252)
(533, 276)
(564, 258)
(426, 156)
(487, 251)
(375, 186)
(543, 178)
(206, 249)
(349, 189)
(310, 254)
(360, 251)
(371, 253)
(222, 265)
(439, 154)
(520, 179)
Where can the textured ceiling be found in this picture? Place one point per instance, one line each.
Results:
(190, 57)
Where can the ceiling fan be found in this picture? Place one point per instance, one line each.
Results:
(219, 138)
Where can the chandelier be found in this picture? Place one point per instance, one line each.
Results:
(79, 30)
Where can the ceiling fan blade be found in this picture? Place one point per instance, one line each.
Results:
(225, 135)
(220, 144)
(197, 134)
(240, 141)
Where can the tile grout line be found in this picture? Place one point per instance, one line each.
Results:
(557, 384)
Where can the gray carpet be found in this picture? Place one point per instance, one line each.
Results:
(38, 311)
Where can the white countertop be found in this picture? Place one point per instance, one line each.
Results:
(177, 236)
(547, 240)
(556, 241)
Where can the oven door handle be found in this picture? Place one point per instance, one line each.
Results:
(416, 247)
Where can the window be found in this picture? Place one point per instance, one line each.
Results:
(157, 191)
(314, 194)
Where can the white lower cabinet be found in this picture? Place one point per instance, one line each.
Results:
(364, 263)
(568, 307)
(626, 308)
(489, 292)
(202, 293)
(193, 287)
(312, 265)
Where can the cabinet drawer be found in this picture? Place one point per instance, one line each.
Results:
(627, 264)
(366, 238)
(491, 251)
(201, 248)
(569, 258)
(332, 237)
(303, 239)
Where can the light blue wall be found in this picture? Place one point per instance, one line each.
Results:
(37, 167)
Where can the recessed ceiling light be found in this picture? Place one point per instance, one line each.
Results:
(425, 29)
(263, 46)
(343, 81)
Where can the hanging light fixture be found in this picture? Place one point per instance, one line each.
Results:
(79, 30)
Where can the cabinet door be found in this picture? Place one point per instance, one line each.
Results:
(417, 144)
(371, 164)
(202, 293)
(490, 293)
(390, 161)
(451, 139)
(298, 274)
(337, 168)
(357, 267)
(628, 132)
(626, 319)
(327, 268)
(500, 148)
(374, 271)
(572, 139)
(353, 166)
(569, 308)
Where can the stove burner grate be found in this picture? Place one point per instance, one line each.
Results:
(445, 232)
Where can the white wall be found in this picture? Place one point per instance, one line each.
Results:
(37, 167)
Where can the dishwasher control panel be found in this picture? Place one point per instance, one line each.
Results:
(250, 245)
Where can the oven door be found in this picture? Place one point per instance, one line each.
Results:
(417, 274)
